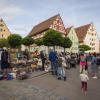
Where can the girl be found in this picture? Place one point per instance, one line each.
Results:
(84, 78)
(82, 62)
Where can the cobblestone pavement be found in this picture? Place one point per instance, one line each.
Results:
(47, 87)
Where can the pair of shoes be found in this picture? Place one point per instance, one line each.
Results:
(65, 78)
(59, 78)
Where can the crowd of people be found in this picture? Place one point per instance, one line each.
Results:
(89, 65)
(57, 63)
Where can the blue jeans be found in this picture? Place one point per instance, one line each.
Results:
(54, 68)
(61, 72)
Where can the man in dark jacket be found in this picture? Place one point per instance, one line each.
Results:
(5, 62)
(43, 58)
(53, 58)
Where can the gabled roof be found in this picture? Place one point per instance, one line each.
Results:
(82, 31)
(43, 26)
(2, 23)
(68, 30)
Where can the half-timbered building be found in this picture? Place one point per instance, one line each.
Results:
(54, 23)
(4, 31)
(87, 34)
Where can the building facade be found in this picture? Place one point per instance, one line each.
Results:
(39, 30)
(71, 33)
(87, 35)
(4, 31)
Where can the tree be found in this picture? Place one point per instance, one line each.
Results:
(84, 47)
(52, 38)
(66, 43)
(3, 43)
(14, 40)
(39, 42)
(27, 41)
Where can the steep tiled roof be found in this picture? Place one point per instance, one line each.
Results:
(68, 30)
(43, 26)
(82, 31)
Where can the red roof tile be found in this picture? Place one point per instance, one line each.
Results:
(43, 26)
(82, 31)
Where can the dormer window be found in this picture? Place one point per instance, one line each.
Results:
(1, 30)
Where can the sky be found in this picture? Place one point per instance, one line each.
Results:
(21, 15)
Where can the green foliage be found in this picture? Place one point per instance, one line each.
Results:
(66, 42)
(52, 38)
(27, 41)
(3, 43)
(39, 42)
(14, 40)
(84, 47)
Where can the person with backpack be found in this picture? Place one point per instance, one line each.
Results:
(88, 59)
(98, 61)
(82, 62)
(84, 78)
(94, 66)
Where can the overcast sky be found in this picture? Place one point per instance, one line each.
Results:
(21, 15)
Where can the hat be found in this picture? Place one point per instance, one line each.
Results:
(4, 48)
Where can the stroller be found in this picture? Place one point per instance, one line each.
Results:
(72, 62)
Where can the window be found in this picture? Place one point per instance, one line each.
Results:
(1, 25)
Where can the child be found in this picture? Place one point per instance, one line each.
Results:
(39, 64)
(47, 66)
(84, 78)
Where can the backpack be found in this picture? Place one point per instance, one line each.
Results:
(83, 59)
(94, 60)
(98, 61)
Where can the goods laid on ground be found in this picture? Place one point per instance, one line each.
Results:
(21, 75)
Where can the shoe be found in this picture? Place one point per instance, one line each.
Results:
(85, 92)
(95, 77)
(64, 78)
(82, 90)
